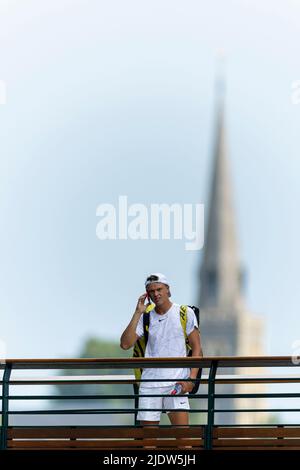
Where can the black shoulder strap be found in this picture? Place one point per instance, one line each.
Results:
(197, 313)
(199, 374)
(146, 323)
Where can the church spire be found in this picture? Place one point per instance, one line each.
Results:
(220, 270)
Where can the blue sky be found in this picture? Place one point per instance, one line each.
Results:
(117, 98)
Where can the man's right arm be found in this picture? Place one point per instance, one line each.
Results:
(129, 335)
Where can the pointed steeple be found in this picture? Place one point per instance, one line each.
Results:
(220, 270)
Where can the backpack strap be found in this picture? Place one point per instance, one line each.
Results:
(146, 322)
(183, 321)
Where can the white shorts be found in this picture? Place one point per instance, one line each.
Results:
(169, 402)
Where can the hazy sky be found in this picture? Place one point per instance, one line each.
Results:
(117, 98)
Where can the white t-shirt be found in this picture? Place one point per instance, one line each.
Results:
(166, 339)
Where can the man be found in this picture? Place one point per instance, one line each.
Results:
(166, 339)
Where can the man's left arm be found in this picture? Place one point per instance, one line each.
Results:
(195, 343)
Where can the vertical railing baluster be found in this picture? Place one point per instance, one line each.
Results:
(136, 403)
(210, 406)
(5, 405)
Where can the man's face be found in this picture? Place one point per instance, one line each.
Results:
(158, 293)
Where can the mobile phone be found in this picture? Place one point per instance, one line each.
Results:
(148, 298)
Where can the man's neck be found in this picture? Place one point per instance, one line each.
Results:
(163, 308)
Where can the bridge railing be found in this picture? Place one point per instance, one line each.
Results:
(207, 434)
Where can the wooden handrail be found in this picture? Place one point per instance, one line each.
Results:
(203, 362)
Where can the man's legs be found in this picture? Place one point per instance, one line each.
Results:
(151, 418)
(179, 418)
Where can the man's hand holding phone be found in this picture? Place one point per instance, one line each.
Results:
(141, 306)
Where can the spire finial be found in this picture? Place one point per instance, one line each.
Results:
(220, 76)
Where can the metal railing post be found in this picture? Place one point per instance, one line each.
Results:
(210, 406)
(136, 403)
(5, 403)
